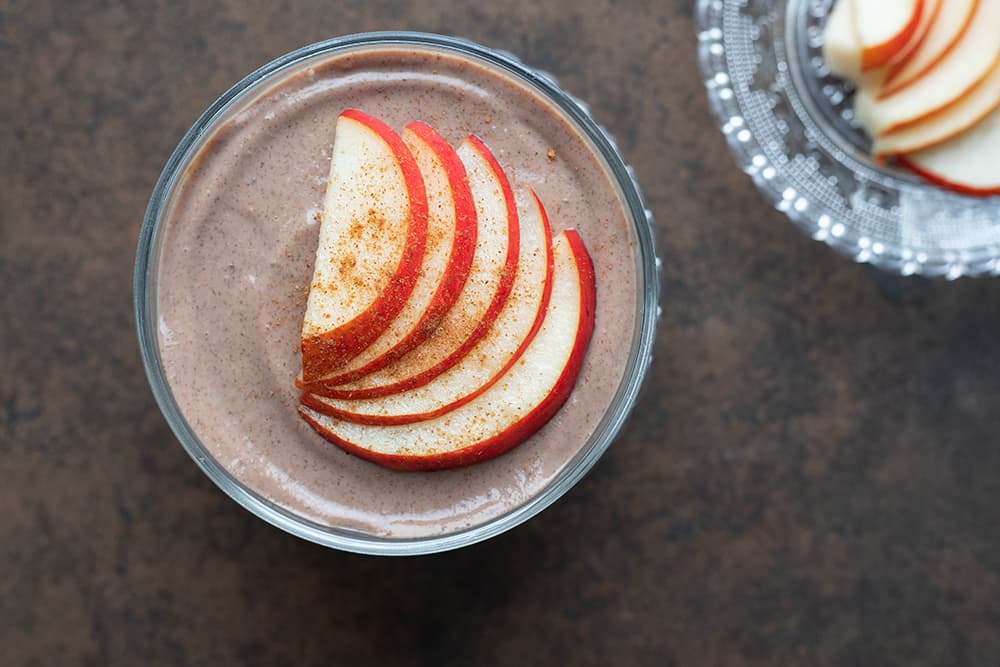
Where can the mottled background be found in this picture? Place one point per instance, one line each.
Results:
(811, 478)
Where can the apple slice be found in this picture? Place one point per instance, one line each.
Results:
(841, 50)
(494, 264)
(511, 410)
(955, 75)
(952, 20)
(883, 28)
(945, 124)
(451, 241)
(371, 243)
(969, 163)
(928, 16)
(493, 355)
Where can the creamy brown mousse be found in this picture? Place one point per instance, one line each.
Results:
(237, 259)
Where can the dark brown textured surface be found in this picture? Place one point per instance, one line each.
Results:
(812, 476)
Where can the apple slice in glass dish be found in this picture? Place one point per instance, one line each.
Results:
(884, 28)
(967, 164)
(949, 24)
(966, 65)
(945, 124)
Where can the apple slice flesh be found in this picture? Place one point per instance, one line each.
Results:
(952, 20)
(514, 408)
(491, 277)
(883, 28)
(955, 75)
(371, 243)
(969, 163)
(841, 50)
(493, 355)
(451, 241)
(945, 124)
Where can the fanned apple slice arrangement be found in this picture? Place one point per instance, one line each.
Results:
(444, 325)
(928, 84)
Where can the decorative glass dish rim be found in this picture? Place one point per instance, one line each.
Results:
(648, 265)
(771, 180)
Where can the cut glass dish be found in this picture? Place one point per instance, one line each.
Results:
(790, 125)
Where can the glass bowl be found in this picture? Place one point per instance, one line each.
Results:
(153, 332)
(789, 124)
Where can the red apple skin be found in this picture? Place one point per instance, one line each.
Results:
(880, 55)
(324, 353)
(328, 390)
(310, 400)
(944, 183)
(463, 248)
(527, 425)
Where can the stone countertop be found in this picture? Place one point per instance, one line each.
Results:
(811, 477)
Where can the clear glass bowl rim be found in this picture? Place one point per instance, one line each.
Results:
(144, 285)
